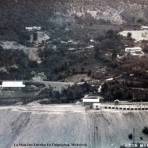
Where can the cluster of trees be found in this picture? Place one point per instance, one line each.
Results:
(134, 71)
(110, 41)
(125, 89)
(14, 64)
(70, 95)
(55, 64)
(116, 90)
(135, 65)
(59, 64)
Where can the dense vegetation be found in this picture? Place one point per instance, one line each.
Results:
(70, 95)
(145, 130)
(116, 90)
(92, 47)
(14, 64)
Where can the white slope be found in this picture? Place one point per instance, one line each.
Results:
(66, 124)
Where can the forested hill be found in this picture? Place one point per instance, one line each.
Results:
(16, 13)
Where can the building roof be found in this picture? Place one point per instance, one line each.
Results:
(135, 51)
(92, 99)
(144, 27)
(133, 48)
(37, 28)
(137, 35)
(10, 84)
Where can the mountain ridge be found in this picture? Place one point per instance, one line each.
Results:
(39, 12)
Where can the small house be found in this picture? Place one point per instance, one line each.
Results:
(134, 51)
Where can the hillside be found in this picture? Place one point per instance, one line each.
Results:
(73, 124)
(15, 14)
(83, 42)
(31, 11)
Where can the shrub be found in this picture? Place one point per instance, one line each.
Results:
(130, 136)
(145, 130)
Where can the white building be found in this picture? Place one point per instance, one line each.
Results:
(90, 100)
(134, 51)
(144, 27)
(137, 35)
(12, 84)
(33, 28)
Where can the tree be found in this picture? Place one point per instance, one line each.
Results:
(145, 130)
(130, 136)
(114, 56)
(97, 50)
(89, 73)
(129, 35)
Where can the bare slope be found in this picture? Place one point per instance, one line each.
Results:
(68, 124)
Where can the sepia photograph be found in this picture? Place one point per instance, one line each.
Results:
(73, 73)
